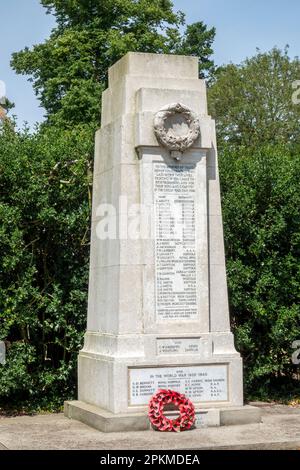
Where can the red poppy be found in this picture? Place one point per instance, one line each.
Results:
(163, 398)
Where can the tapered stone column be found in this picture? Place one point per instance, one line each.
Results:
(158, 312)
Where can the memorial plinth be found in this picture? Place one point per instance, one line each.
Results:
(158, 312)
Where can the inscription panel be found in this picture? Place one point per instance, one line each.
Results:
(169, 346)
(175, 241)
(199, 383)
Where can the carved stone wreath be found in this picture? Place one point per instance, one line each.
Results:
(169, 137)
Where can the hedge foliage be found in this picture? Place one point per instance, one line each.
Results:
(45, 193)
(261, 209)
(46, 186)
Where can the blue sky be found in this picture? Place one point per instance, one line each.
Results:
(242, 25)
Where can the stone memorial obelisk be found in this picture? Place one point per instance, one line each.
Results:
(158, 314)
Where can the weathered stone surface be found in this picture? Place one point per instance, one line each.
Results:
(106, 421)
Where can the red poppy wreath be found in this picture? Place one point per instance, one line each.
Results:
(165, 398)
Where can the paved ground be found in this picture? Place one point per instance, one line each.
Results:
(280, 430)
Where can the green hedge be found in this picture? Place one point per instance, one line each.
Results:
(261, 208)
(45, 193)
(45, 203)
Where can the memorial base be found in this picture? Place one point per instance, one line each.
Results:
(106, 421)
